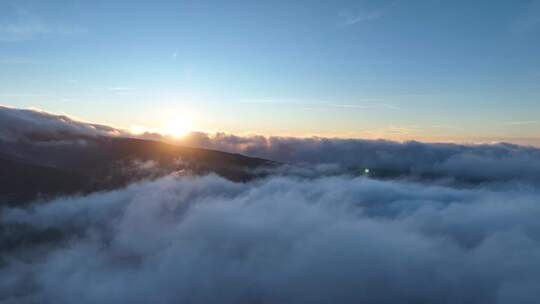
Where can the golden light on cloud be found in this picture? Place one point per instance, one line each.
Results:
(177, 127)
(137, 130)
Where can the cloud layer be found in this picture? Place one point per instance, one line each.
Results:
(280, 240)
(463, 163)
(26, 124)
(312, 231)
(476, 163)
(488, 163)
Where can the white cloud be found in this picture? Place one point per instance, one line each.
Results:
(20, 95)
(492, 163)
(21, 32)
(120, 88)
(363, 104)
(28, 26)
(279, 240)
(349, 18)
(17, 60)
(20, 124)
(310, 233)
(524, 122)
(486, 163)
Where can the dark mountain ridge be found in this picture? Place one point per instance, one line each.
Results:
(44, 168)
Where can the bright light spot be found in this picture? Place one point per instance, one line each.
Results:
(366, 171)
(177, 127)
(137, 130)
(170, 124)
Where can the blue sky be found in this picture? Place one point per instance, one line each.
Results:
(428, 70)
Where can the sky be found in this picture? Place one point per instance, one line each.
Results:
(466, 71)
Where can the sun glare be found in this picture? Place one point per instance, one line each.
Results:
(174, 127)
(177, 128)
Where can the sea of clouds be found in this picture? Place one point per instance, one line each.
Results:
(278, 240)
(298, 235)
(498, 162)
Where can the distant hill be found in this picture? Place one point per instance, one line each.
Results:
(43, 168)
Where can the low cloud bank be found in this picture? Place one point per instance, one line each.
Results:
(480, 163)
(278, 240)
(309, 232)
(28, 125)
(465, 163)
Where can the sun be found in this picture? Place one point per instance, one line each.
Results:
(177, 127)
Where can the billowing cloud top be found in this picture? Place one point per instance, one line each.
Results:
(25, 124)
(465, 163)
(312, 231)
(280, 240)
(493, 162)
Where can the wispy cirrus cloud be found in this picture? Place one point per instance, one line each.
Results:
(22, 32)
(26, 25)
(366, 106)
(20, 95)
(523, 122)
(119, 88)
(370, 103)
(350, 18)
(17, 60)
